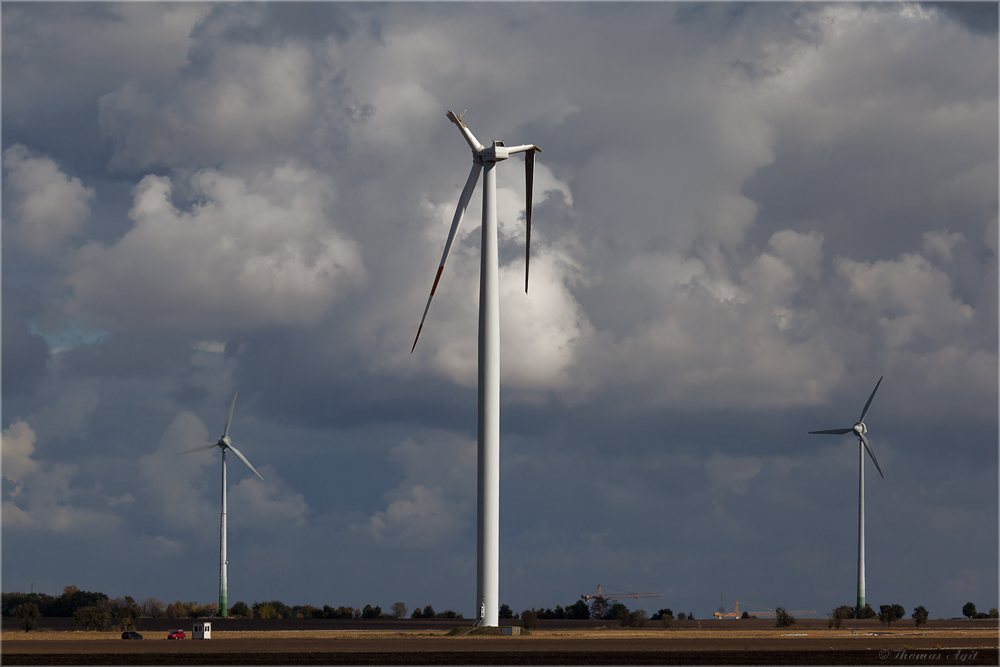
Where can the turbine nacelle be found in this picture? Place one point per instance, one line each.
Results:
(859, 430)
(495, 153)
(225, 442)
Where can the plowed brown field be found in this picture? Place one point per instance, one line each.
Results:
(604, 646)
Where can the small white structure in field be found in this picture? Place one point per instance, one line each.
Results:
(202, 630)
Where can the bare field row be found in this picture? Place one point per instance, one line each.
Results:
(593, 634)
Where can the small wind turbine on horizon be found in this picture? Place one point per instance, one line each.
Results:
(860, 430)
(485, 159)
(224, 443)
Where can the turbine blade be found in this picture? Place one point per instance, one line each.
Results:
(244, 459)
(196, 449)
(229, 419)
(836, 431)
(529, 177)
(871, 453)
(463, 203)
(869, 403)
(466, 132)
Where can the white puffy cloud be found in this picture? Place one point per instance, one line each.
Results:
(270, 504)
(177, 488)
(248, 252)
(434, 502)
(911, 298)
(251, 100)
(18, 447)
(44, 498)
(48, 206)
(741, 344)
(541, 332)
(939, 245)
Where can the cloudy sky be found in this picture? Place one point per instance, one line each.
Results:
(745, 215)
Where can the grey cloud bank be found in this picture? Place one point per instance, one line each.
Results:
(745, 214)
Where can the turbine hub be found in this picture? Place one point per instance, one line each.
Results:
(224, 441)
(860, 428)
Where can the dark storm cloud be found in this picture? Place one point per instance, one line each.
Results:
(274, 23)
(744, 215)
(977, 17)
(25, 353)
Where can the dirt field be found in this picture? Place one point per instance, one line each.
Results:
(596, 646)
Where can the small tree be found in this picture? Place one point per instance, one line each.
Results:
(530, 619)
(505, 611)
(886, 614)
(667, 617)
(339, 612)
(126, 613)
(615, 611)
(782, 619)
(153, 608)
(398, 610)
(969, 610)
(578, 611)
(867, 612)
(264, 610)
(682, 616)
(919, 616)
(181, 609)
(428, 612)
(835, 620)
(633, 619)
(994, 613)
(26, 614)
(239, 609)
(128, 618)
(842, 614)
(417, 613)
(98, 617)
(846, 611)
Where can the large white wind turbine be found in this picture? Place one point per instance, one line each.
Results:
(224, 443)
(485, 159)
(860, 430)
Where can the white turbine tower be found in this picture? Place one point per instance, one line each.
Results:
(860, 430)
(485, 159)
(224, 443)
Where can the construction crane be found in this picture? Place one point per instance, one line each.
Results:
(601, 597)
(725, 613)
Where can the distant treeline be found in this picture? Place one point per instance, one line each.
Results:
(95, 609)
(88, 608)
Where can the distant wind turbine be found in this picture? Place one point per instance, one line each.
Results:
(485, 159)
(224, 443)
(860, 430)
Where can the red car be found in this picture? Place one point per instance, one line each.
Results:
(176, 634)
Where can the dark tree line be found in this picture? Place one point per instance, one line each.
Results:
(66, 604)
